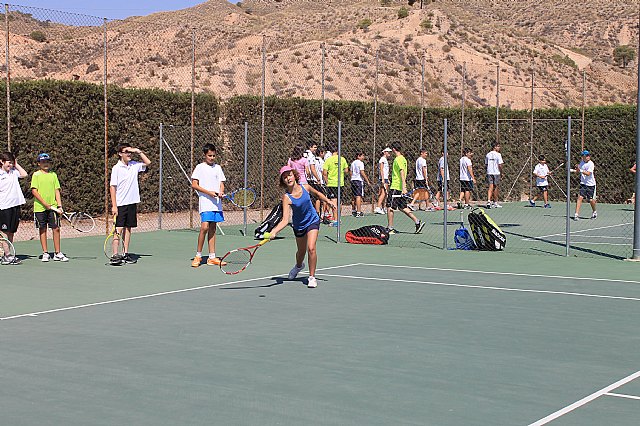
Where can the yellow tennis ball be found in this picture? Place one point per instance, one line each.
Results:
(266, 235)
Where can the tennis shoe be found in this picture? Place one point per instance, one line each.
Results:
(10, 260)
(576, 217)
(547, 206)
(488, 205)
(360, 214)
(392, 231)
(419, 227)
(60, 257)
(295, 271)
(197, 261)
(497, 206)
(128, 259)
(378, 210)
(594, 215)
(45, 257)
(412, 207)
(216, 261)
(312, 283)
(533, 203)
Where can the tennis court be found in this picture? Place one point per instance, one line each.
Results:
(390, 336)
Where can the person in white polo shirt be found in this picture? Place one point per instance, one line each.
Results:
(11, 198)
(358, 177)
(125, 192)
(587, 184)
(383, 178)
(494, 162)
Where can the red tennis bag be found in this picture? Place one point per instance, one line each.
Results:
(370, 234)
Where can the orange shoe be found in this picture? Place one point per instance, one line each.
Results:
(197, 261)
(215, 261)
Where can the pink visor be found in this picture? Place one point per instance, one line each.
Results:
(285, 169)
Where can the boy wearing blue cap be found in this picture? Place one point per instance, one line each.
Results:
(47, 204)
(587, 184)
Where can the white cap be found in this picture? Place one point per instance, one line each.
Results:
(386, 149)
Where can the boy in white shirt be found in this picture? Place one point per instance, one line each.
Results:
(208, 179)
(125, 193)
(541, 171)
(420, 184)
(494, 162)
(467, 179)
(11, 198)
(383, 177)
(441, 173)
(358, 177)
(587, 184)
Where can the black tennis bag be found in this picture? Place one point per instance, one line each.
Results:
(486, 234)
(270, 222)
(370, 234)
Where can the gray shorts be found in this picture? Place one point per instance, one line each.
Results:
(493, 179)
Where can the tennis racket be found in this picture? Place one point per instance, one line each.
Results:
(114, 245)
(557, 168)
(243, 197)
(80, 221)
(7, 250)
(239, 259)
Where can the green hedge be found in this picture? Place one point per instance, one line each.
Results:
(66, 119)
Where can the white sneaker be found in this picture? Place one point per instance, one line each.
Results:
(497, 206)
(412, 207)
(594, 215)
(45, 257)
(295, 271)
(378, 210)
(60, 257)
(312, 283)
(576, 217)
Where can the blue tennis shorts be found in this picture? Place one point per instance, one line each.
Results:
(211, 217)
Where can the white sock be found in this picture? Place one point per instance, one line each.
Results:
(212, 255)
(199, 253)
(417, 221)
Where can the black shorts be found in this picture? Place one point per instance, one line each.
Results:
(466, 185)
(332, 192)
(47, 217)
(318, 187)
(303, 232)
(127, 216)
(9, 219)
(543, 188)
(357, 188)
(587, 192)
(420, 184)
(441, 186)
(396, 200)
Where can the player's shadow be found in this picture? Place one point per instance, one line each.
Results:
(276, 281)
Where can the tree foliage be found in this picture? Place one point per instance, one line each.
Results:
(622, 55)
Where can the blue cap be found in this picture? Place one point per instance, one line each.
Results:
(44, 157)
(585, 153)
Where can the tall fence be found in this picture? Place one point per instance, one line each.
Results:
(113, 54)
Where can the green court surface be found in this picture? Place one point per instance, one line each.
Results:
(391, 336)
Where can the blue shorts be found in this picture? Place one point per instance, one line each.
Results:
(211, 217)
(302, 232)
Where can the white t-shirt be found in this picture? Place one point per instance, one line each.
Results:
(541, 170)
(125, 179)
(312, 162)
(356, 167)
(587, 167)
(420, 163)
(442, 170)
(385, 167)
(209, 177)
(327, 155)
(492, 160)
(10, 191)
(464, 171)
(318, 165)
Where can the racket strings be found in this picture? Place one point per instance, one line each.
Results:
(235, 261)
(244, 197)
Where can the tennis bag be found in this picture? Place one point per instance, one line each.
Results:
(487, 235)
(273, 218)
(370, 234)
(463, 240)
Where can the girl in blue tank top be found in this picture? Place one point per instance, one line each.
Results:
(305, 221)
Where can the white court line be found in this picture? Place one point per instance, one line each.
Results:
(621, 395)
(147, 296)
(576, 232)
(607, 236)
(585, 400)
(484, 287)
(590, 243)
(470, 271)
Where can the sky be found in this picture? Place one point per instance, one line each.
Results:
(113, 9)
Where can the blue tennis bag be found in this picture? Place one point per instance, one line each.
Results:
(462, 238)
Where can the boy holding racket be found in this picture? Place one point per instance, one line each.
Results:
(11, 198)
(397, 199)
(305, 221)
(587, 184)
(541, 172)
(125, 192)
(47, 204)
(208, 179)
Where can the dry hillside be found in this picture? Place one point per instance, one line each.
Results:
(556, 41)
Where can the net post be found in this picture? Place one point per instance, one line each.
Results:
(160, 180)
(568, 202)
(193, 118)
(264, 71)
(8, 75)
(445, 186)
(339, 212)
(246, 143)
(636, 215)
(106, 129)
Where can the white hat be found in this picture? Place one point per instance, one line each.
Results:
(386, 149)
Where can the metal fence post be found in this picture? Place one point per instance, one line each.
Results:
(193, 117)
(160, 181)
(246, 143)
(106, 130)
(339, 212)
(322, 95)
(636, 214)
(445, 185)
(8, 76)
(568, 161)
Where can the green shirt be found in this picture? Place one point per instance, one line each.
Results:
(46, 184)
(331, 166)
(399, 163)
